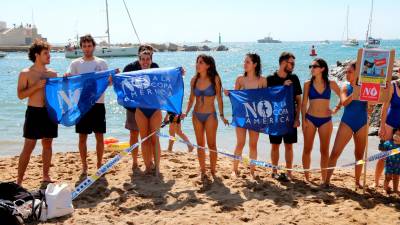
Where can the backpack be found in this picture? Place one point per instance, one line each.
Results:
(13, 196)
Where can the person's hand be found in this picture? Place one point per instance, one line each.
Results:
(117, 71)
(296, 123)
(226, 92)
(183, 71)
(183, 116)
(110, 80)
(287, 82)
(334, 110)
(67, 74)
(41, 84)
(396, 139)
(226, 122)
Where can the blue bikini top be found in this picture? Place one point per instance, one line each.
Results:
(209, 91)
(314, 94)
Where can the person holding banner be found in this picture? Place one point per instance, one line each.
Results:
(316, 114)
(285, 76)
(353, 124)
(130, 123)
(94, 121)
(205, 87)
(38, 125)
(251, 79)
(390, 120)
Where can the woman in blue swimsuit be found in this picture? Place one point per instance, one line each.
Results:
(353, 124)
(390, 120)
(251, 79)
(316, 113)
(149, 120)
(205, 88)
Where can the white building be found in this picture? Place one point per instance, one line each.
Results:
(18, 35)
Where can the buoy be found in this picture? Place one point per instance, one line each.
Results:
(116, 146)
(110, 140)
(313, 52)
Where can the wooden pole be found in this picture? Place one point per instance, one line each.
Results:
(366, 155)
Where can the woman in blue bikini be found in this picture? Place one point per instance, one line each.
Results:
(251, 79)
(205, 88)
(149, 120)
(316, 113)
(353, 124)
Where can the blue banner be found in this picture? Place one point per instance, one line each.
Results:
(265, 110)
(69, 98)
(160, 88)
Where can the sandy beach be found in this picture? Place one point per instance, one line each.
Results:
(124, 196)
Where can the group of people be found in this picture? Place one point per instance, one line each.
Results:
(311, 103)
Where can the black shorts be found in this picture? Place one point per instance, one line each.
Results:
(93, 121)
(38, 124)
(289, 138)
(172, 118)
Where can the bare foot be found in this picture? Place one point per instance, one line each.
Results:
(190, 148)
(235, 174)
(134, 166)
(47, 179)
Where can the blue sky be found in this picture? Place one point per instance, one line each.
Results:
(192, 21)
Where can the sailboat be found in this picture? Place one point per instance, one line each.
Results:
(73, 50)
(371, 42)
(349, 42)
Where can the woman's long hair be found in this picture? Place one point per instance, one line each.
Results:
(212, 72)
(255, 58)
(325, 74)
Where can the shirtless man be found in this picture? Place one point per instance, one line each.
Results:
(31, 84)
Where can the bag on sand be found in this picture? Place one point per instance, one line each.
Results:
(59, 200)
(17, 203)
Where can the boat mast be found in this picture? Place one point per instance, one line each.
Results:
(347, 24)
(370, 20)
(108, 25)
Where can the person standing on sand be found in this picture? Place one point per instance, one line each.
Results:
(175, 127)
(353, 124)
(205, 88)
(390, 120)
(251, 79)
(130, 122)
(31, 84)
(316, 113)
(285, 76)
(95, 119)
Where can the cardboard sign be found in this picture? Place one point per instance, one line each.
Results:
(374, 72)
(370, 92)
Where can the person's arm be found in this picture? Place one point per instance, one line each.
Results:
(264, 82)
(385, 106)
(23, 91)
(304, 104)
(190, 100)
(218, 87)
(335, 87)
(344, 99)
(298, 92)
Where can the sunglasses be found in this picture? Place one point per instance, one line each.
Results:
(291, 63)
(314, 66)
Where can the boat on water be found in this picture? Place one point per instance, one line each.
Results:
(268, 39)
(3, 54)
(349, 42)
(371, 42)
(72, 50)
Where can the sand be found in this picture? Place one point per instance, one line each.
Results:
(124, 196)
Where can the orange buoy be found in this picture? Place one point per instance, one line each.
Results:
(313, 52)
